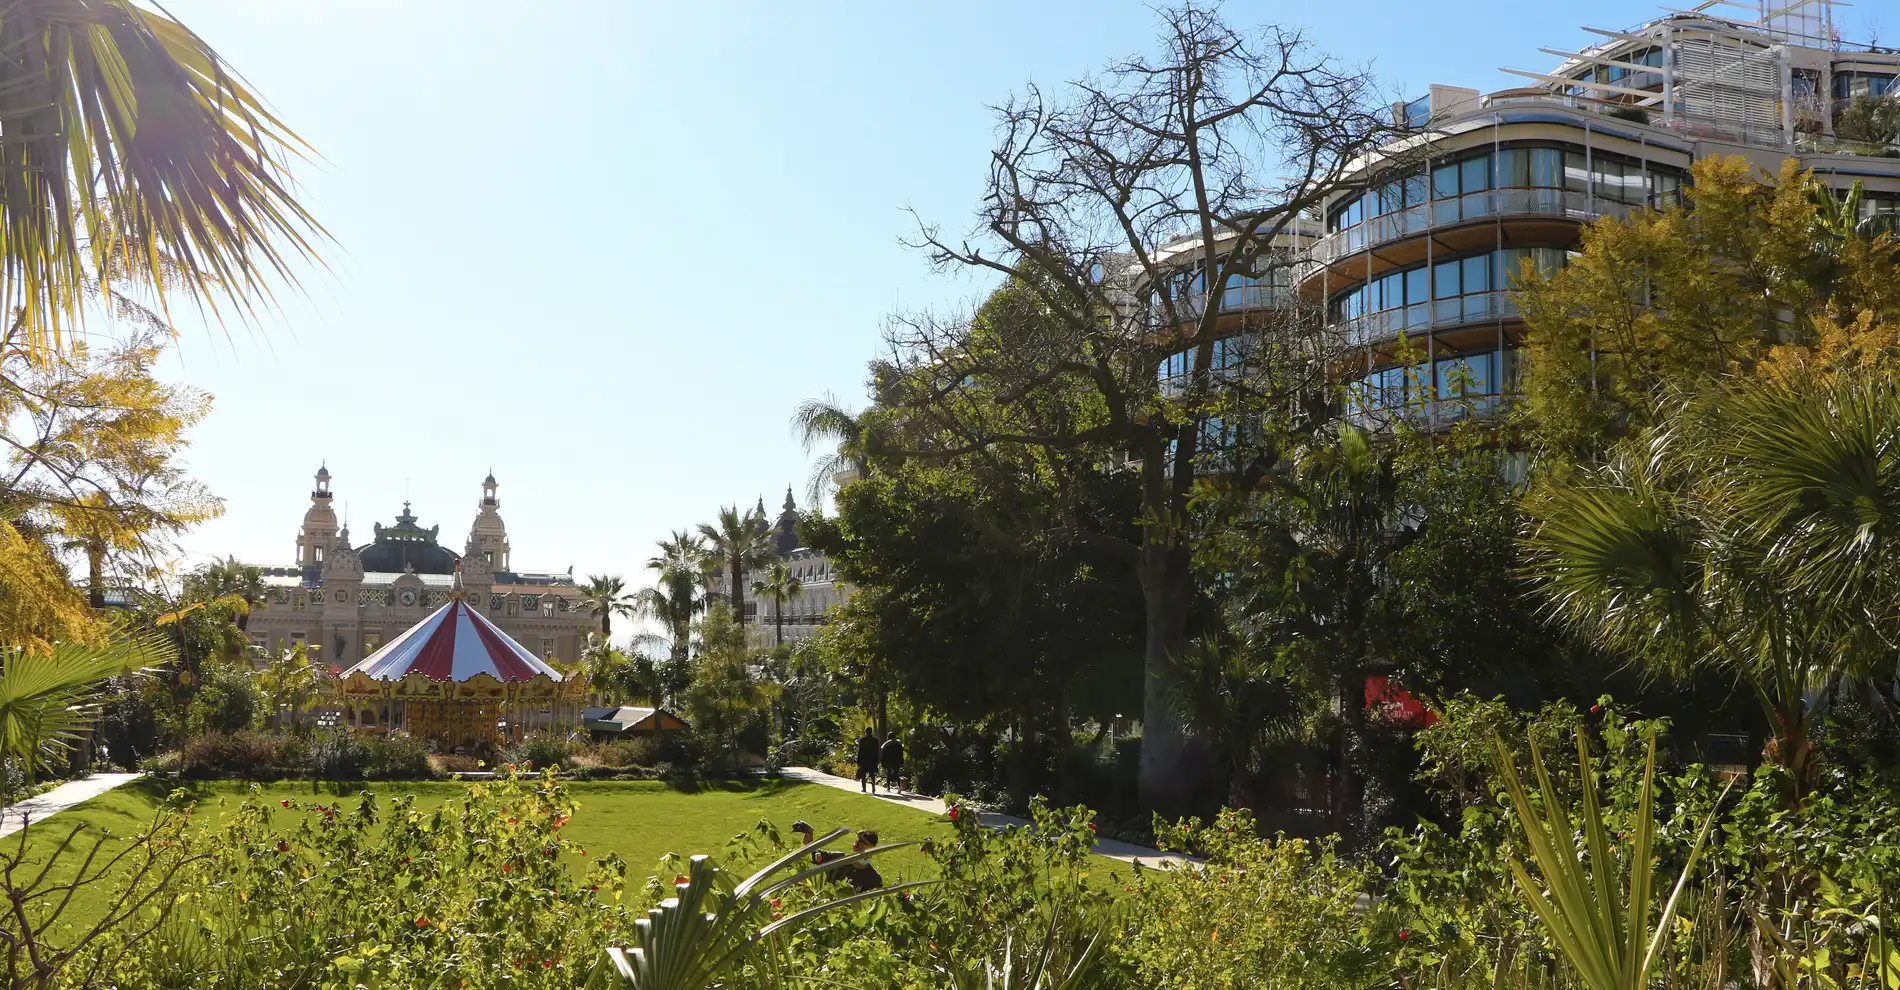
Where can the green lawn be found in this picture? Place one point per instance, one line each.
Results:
(642, 821)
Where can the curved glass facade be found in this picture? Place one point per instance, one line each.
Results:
(1468, 288)
(1536, 180)
(1447, 388)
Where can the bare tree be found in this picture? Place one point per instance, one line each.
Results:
(1125, 219)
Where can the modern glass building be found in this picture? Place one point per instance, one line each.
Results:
(1421, 245)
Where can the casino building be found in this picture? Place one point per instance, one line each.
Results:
(343, 603)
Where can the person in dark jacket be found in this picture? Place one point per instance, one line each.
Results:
(892, 758)
(867, 762)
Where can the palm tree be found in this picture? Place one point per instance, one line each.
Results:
(674, 602)
(606, 595)
(781, 586)
(819, 421)
(130, 153)
(1751, 529)
(228, 577)
(738, 542)
(681, 549)
(49, 697)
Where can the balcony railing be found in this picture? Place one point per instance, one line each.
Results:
(1478, 307)
(1490, 203)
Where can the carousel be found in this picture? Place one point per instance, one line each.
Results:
(457, 681)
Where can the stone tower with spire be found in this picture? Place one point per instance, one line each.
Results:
(319, 531)
(488, 537)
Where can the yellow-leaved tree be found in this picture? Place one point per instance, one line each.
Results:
(1756, 273)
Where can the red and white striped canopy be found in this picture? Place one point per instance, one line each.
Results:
(454, 644)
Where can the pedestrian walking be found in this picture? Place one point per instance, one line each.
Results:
(867, 762)
(892, 758)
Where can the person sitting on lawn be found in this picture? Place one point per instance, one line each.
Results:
(862, 876)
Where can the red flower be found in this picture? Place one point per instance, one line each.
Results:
(593, 886)
(285, 802)
(1404, 933)
(547, 964)
(282, 846)
(777, 903)
(1595, 708)
(507, 867)
(956, 812)
(422, 921)
(680, 880)
(1091, 826)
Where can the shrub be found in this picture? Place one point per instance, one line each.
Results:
(540, 750)
(1271, 913)
(447, 763)
(397, 758)
(639, 752)
(338, 756)
(250, 755)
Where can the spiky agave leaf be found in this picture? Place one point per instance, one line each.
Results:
(710, 926)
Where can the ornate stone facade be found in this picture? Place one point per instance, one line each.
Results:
(819, 589)
(344, 602)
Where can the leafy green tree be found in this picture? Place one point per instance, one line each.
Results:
(287, 685)
(778, 586)
(1673, 299)
(737, 543)
(606, 595)
(726, 695)
(92, 441)
(966, 605)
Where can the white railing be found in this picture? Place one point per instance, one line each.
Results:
(1415, 220)
(1478, 307)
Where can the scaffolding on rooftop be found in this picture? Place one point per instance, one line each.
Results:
(1723, 75)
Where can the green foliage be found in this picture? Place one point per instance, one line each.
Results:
(1749, 530)
(1597, 912)
(365, 892)
(1672, 300)
(1278, 913)
(1869, 119)
(540, 751)
(48, 698)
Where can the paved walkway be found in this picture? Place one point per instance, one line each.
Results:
(14, 817)
(1112, 848)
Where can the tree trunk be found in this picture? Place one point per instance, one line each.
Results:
(738, 592)
(778, 622)
(1173, 765)
(95, 574)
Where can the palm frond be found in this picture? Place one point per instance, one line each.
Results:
(47, 697)
(129, 150)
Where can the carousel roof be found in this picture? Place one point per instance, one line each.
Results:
(454, 643)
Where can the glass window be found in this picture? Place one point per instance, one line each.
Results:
(1476, 273)
(1474, 174)
(1445, 181)
(1576, 175)
(1546, 167)
(1414, 186)
(1417, 289)
(1445, 281)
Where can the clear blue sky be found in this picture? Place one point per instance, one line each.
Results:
(605, 246)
